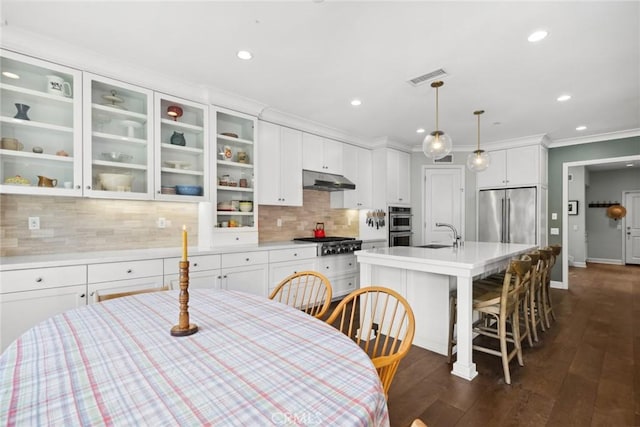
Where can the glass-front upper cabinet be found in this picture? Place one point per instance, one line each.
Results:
(40, 127)
(182, 149)
(118, 143)
(235, 169)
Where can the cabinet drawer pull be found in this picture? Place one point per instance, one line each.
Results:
(195, 264)
(81, 295)
(39, 280)
(246, 259)
(129, 271)
(295, 254)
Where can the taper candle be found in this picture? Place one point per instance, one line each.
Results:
(184, 242)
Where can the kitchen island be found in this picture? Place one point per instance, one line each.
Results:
(425, 277)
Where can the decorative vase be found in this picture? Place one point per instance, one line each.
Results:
(22, 112)
(178, 138)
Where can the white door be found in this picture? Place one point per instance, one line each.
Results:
(632, 227)
(443, 202)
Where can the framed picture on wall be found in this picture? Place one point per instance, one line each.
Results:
(573, 207)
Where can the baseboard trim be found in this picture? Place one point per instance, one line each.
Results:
(578, 264)
(558, 285)
(605, 261)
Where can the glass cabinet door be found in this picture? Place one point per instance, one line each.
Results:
(40, 127)
(182, 149)
(235, 169)
(118, 129)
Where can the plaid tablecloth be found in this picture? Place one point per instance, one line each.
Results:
(254, 362)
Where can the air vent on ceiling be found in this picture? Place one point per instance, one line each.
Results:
(446, 159)
(420, 80)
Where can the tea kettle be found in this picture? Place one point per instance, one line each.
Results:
(318, 232)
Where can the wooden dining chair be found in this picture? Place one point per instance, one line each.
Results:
(381, 322)
(105, 297)
(500, 308)
(308, 291)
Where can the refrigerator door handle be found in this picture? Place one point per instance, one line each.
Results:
(507, 221)
(502, 220)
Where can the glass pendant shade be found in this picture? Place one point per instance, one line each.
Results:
(478, 161)
(437, 145)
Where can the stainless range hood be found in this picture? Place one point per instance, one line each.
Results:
(312, 180)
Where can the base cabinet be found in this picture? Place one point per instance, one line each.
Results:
(342, 272)
(204, 272)
(251, 280)
(20, 311)
(285, 262)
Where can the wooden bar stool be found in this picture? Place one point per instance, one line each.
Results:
(536, 305)
(546, 294)
(502, 306)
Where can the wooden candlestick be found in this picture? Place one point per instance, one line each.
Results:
(184, 328)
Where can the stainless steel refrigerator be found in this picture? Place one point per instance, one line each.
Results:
(507, 216)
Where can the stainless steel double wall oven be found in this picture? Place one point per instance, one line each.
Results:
(400, 224)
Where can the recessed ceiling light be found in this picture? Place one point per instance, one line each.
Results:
(10, 75)
(537, 36)
(356, 102)
(497, 123)
(629, 165)
(581, 128)
(563, 98)
(421, 130)
(244, 54)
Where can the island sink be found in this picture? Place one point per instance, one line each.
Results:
(434, 246)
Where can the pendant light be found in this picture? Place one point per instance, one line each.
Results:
(478, 160)
(437, 144)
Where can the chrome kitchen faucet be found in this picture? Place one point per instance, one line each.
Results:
(457, 239)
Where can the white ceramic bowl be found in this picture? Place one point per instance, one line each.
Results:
(115, 181)
(246, 206)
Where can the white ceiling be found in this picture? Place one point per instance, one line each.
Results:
(311, 58)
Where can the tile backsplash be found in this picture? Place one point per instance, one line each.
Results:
(300, 221)
(74, 224)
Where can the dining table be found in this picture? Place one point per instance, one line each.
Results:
(252, 362)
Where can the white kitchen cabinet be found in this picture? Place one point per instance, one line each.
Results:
(204, 272)
(514, 167)
(280, 174)
(30, 296)
(116, 277)
(235, 142)
(118, 143)
(285, 262)
(361, 173)
(20, 311)
(391, 177)
(181, 149)
(245, 272)
(49, 135)
(342, 272)
(321, 154)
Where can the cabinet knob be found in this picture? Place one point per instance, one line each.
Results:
(82, 295)
(225, 276)
(195, 264)
(129, 271)
(237, 238)
(88, 187)
(295, 254)
(246, 259)
(39, 279)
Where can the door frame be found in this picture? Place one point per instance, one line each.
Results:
(423, 189)
(624, 225)
(565, 212)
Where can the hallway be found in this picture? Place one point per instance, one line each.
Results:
(583, 372)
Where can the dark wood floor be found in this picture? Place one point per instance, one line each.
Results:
(583, 372)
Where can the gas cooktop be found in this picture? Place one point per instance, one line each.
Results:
(333, 245)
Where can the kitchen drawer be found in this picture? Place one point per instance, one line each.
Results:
(124, 270)
(281, 270)
(196, 263)
(332, 265)
(225, 237)
(293, 254)
(344, 285)
(244, 258)
(42, 278)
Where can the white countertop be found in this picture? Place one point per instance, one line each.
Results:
(471, 256)
(75, 258)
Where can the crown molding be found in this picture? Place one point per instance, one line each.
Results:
(630, 133)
